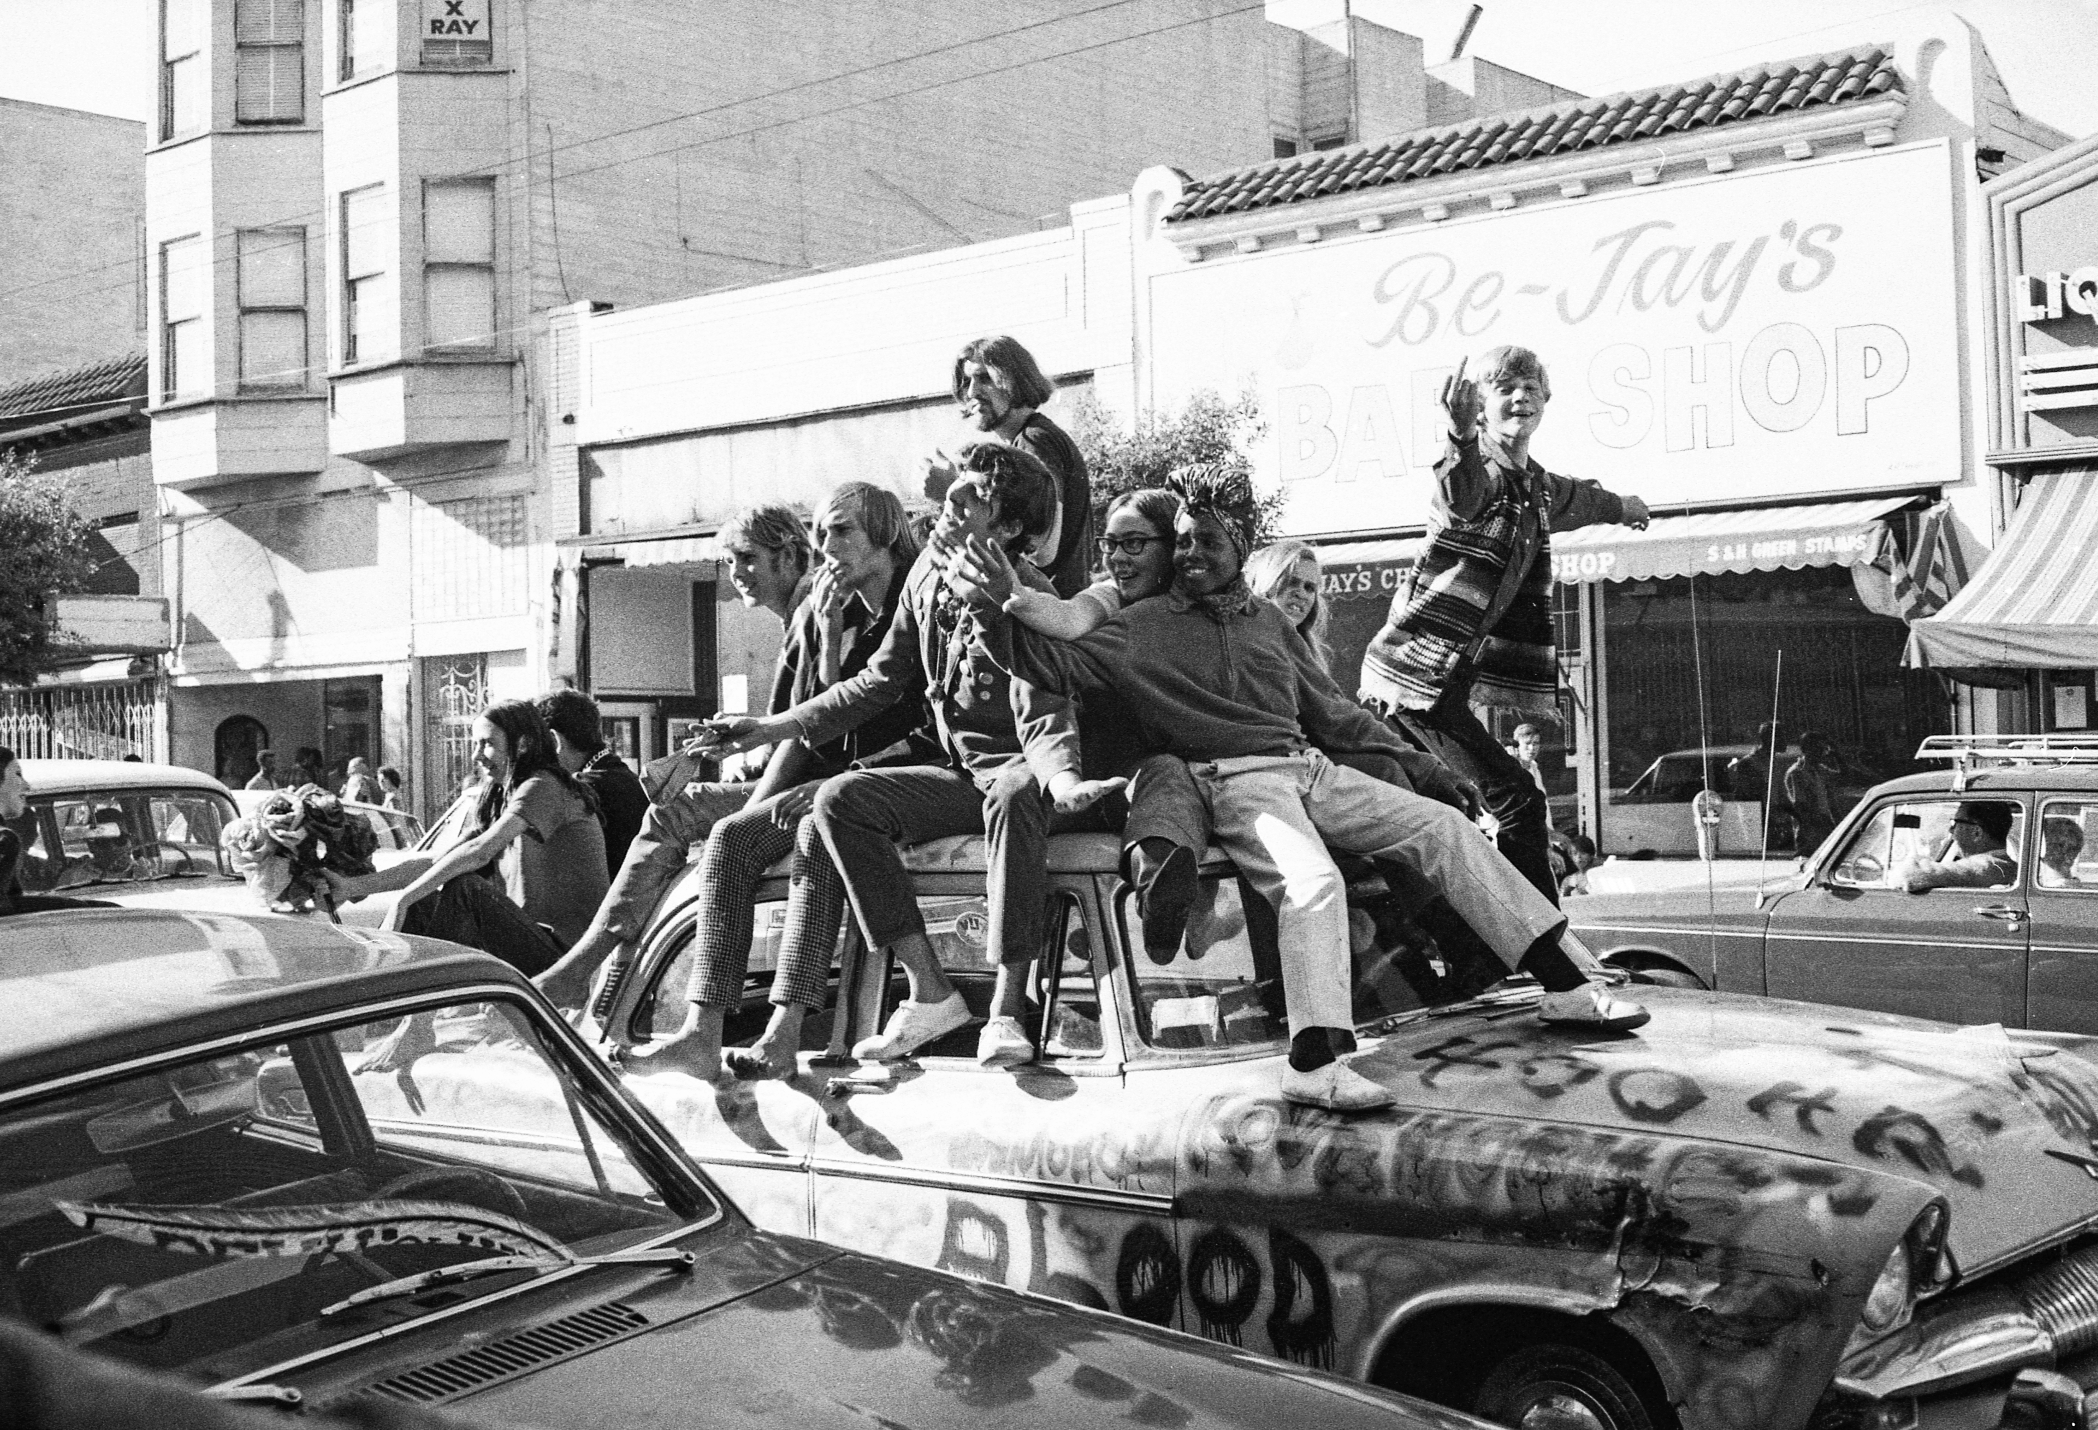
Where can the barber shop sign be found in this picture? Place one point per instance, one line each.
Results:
(1772, 333)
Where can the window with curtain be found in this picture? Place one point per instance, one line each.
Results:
(459, 264)
(185, 97)
(184, 347)
(367, 36)
(272, 283)
(371, 319)
(269, 61)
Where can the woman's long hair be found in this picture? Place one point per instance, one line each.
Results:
(1269, 567)
(1156, 506)
(531, 753)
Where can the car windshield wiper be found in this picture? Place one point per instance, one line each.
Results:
(670, 1256)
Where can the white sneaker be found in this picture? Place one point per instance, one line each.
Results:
(1003, 1043)
(1592, 1006)
(912, 1026)
(1335, 1087)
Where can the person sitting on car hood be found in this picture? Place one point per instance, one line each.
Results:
(1236, 692)
(1980, 830)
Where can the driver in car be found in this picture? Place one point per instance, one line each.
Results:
(1975, 859)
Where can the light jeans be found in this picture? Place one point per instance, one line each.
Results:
(1275, 815)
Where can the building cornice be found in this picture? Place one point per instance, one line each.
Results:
(1424, 202)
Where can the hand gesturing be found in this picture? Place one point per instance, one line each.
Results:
(1461, 403)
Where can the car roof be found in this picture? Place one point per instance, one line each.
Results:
(68, 776)
(2001, 779)
(83, 988)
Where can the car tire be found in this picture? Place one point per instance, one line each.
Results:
(1554, 1386)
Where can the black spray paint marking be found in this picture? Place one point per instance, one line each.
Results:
(973, 1243)
(1795, 1095)
(1654, 1094)
(1147, 1276)
(1916, 1140)
(1301, 1325)
(1223, 1283)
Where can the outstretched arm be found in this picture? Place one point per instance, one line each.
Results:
(1091, 662)
(987, 576)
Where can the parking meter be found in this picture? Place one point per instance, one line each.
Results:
(1704, 813)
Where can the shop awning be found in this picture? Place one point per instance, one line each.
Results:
(2034, 601)
(1754, 539)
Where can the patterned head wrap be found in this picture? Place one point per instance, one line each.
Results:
(1222, 494)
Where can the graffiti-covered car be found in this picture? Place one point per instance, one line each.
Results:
(1750, 1213)
(2020, 949)
(307, 1165)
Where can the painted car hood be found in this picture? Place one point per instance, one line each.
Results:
(858, 1342)
(1971, 1112)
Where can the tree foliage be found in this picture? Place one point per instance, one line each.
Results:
(1123, 457)
(43, 552)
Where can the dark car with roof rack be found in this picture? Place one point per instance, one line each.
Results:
(1845, 930)
(303, 1164)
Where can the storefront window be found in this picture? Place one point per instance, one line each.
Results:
(1842, 677)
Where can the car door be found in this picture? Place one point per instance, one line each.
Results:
(1854, 937)
(754, 1137)
(2063, 897)
(1041, 1177)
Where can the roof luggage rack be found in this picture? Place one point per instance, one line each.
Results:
(1970, 751)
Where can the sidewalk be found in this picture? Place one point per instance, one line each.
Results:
(1639, 876)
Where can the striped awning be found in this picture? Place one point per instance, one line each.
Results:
(1771, 538)
(2034, 602)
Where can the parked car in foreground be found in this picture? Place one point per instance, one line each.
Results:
(1750, 1213)
(1844, 931)
(304, 1164)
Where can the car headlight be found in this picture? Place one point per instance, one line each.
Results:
(1894, 1294)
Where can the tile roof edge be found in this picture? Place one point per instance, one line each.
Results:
(1430, 135)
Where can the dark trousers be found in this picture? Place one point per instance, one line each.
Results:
(1452, 733)
(863, 815)
(473, 911)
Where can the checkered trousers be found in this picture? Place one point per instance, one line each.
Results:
(738, 852)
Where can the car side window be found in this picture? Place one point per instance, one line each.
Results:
(1222, 987)
(1907, 833)
(2068, 857)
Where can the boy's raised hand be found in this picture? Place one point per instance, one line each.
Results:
(1461, 403)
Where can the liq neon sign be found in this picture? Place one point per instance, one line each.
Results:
(2043, 297)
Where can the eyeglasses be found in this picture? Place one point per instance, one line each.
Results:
(1127, 545)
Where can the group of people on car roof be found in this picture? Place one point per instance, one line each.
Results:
(984, 683)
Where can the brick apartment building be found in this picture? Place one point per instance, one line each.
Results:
(359, 212)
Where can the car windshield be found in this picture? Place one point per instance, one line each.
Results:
(126, 836)
(213, 1215)
(1223, 986)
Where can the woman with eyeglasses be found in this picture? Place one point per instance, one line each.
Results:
(1166, 826)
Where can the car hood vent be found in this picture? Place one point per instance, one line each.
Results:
(512, 1356)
